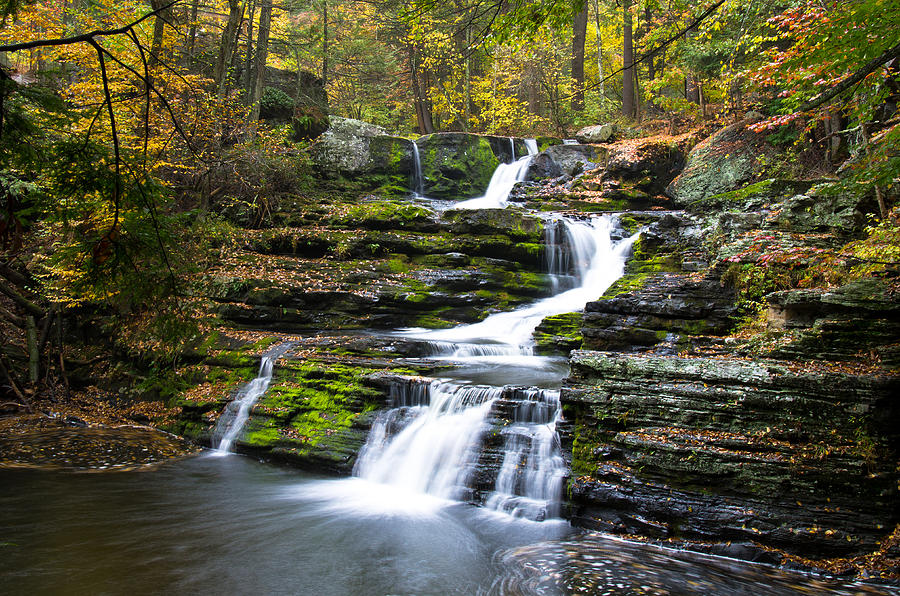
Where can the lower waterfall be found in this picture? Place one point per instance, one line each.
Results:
(439, 432)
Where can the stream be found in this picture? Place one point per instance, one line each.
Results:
(218, 524)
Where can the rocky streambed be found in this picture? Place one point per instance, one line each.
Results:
(710, 400)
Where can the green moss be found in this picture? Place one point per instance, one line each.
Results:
(380, 214)
(308, 402)
(630, 282)
(559, 333)
(600, 206)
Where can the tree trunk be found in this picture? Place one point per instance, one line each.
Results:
(249, 74)
(579, 34)
(262, 52)
(159, 23)
(600, 75)
(325, 43)
(627, 62)
(192, 32)
(225, 48)
(34, 361)
(423, 114)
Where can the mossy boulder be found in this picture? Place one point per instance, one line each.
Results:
(354, 149)
(727, 160)
(456, 165)
(512, 223)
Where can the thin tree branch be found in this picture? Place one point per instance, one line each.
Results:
(852, 79)
(83, 38)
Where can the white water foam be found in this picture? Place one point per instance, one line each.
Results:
(505, 177)
(237, 411)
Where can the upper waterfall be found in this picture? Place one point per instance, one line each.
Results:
(505, 177)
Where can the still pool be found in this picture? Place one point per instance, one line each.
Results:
(231, 525)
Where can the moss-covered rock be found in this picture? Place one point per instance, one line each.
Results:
(728, 160)
(314, 415)
(456, 165)
(558, 334)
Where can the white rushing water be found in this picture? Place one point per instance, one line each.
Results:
(530, 481)
(237, 411)
(596, 261)
(505, 177)
(437, 444)
(431, 440)
(418, 181)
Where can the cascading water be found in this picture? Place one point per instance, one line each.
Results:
(237, 411)
(418, 185)
(505, 177)
(430, 447)
(430, 441)
(529, 483)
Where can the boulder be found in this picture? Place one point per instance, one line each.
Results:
(727, 160)
(353, 148)
(456, 165)
(599, 133)
(652, 164)
(560, 160)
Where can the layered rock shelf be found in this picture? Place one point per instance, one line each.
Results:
(727, 449)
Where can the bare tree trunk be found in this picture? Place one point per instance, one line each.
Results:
(262, 53)
(628, 62)
(159, 24)
(192, 32)
(579, 33)
(225, 48)
(248, 73)
(600, 76)
(325, 43)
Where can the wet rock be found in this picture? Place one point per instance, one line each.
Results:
(456, 165)
(726, 449)
(673, 308)
(652, 165)
(838, 324)
(560, 160)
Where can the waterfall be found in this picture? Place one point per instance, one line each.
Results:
(431, 439)
(512, 148)
(418, 186)
(595, 262)
(429, 448)
(237, 411)
(529, 483)
(504, 178)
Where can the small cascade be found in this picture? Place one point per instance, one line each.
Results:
(570, 141)
(418, 182)
(529, 483)
(429, 448)
(512, 148)
(505, 177)
(595, 262)
(237, 411)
